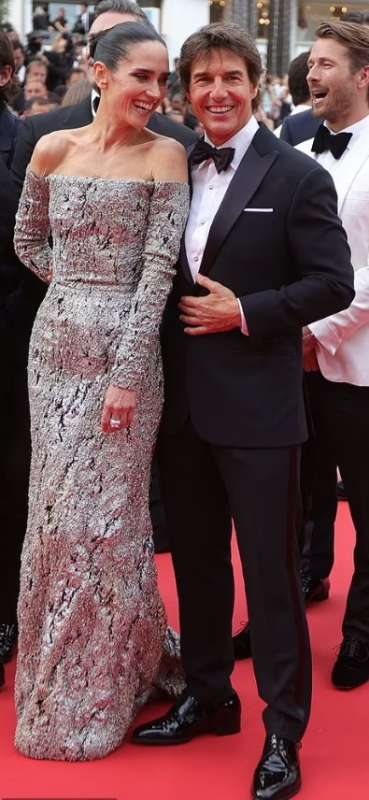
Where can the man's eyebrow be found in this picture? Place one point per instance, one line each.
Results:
(229, 73)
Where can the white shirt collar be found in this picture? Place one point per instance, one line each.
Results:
(240, 141)
(356, 129)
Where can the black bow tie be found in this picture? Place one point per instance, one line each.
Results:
(336, 143)
(222, 156)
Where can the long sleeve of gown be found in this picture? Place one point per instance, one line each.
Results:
(167, 218)
(32, 227)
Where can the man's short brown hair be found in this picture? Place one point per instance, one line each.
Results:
(353, 36)
(219, 35)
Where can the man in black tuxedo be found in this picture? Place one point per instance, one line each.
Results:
(108, 13)
(264, 252)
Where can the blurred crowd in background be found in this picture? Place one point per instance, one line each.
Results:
(51, 69)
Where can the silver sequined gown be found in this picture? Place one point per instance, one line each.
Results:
(93, 637)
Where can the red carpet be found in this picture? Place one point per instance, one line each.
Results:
(335, 754)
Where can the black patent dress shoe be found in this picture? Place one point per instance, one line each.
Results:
(242, 644)
(314, 590)
(189, 718)
(8, 640)
(352, 666)
(277, 775)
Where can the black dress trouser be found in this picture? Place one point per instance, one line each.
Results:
(204, 487)
(319, 489)
(340, 414)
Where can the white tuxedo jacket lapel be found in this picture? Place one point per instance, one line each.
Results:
(352, 163)
(349, 169)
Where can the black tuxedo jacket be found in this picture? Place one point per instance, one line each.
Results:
(277, 242)
(9, 125)
(299, 127)
(76, 117)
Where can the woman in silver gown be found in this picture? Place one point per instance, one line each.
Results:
(93, 637)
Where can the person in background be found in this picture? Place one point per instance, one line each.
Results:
(41, 18)
(77, 92)
(292, 129)
(60, 60)
(336, 347)
(19, 61)
(35, 88)
(14, 334)
(76, 75)
(38, 105)
(60, 23)
(84, 20)
(38, 68)
(174, 81)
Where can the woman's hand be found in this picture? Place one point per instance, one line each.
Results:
(119, 409)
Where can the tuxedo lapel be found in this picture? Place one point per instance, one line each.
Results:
(251, 172)
(349, 168)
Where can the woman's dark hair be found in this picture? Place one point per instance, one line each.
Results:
(113, 45)
(6, 60)
(217, 36)
(121, 7)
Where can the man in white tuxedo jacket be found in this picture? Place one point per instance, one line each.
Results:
(337, 348)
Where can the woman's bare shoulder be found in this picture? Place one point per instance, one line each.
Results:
(51, 150)
(169, 160)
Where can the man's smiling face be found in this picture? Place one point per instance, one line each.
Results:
(331, 80)
(221, 93)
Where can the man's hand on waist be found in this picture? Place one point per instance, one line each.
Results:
(218, 311)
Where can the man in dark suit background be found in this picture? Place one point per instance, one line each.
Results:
(301, 123)
(234, 414)
(299, 127)
(84, 20)
(15, 327)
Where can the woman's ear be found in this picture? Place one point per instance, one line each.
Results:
(101, 75)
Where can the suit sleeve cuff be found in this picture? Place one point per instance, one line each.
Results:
(326, 334)
(243, 326)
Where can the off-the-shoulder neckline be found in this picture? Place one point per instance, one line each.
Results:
(151, 182)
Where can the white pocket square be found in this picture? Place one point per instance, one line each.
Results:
(259, 210)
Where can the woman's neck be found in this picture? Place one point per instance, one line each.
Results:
(108, 132)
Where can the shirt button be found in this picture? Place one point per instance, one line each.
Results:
(196, 258)
(211, 187)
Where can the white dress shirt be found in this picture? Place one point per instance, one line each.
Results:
(343, 338)
(209, 188)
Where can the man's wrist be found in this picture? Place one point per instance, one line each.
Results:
(242, 324)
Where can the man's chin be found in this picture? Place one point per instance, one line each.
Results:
(319, 113)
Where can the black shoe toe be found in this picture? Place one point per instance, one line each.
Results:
(277, 776)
